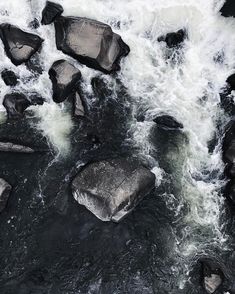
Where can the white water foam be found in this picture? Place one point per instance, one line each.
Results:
(188, 90)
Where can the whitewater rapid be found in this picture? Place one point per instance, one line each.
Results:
(187, 88)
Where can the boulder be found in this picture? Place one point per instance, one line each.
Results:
(19, 45)
(228, 9)
(168, 122)
(5, 190)
(173, 39)
(79, 109)
(65, 79)
(212, 276)
(9, 77)
(50, 12)
(110, 189)
(91, 42)
(229, 148)
(11, 147)
(231, 82)
(17, 103)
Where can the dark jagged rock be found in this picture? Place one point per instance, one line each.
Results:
(110, 189)
(228, 8)
(16, 148)
(79, 109)
(34, 24)
(5, 190)
(65, 79)
(17, 103)
(173, 39)
(51, 12)
(9, 77)
(19, 45)
(168, 122)
(231, 82)
(91, 42)
(212, 275)
(227, 102)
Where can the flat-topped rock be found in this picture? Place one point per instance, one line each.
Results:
(16, 148)
(65, 79)
(110, 189)
(19, 45)
(5, 190)
(91, 42)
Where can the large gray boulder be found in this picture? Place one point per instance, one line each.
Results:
(91, 42)
(65, 79)
(5, 190)
(110, 189)
(19, 45)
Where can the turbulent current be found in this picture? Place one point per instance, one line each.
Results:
(49, 244)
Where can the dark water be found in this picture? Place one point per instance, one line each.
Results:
(50, 244)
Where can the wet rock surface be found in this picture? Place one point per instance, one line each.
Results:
(228, 9)
(5, 190)
(173, 39)
(51, 12)
(110, 189)
(90, 42)
(11, 147)
(65, 79)
(9, 78)
(212, 276)
(19, 45)
(79, 109)
(17, 103)
(167, 122)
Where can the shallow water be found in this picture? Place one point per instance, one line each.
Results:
(52, 245)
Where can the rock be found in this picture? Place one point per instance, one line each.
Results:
(9, 77)
(65, 79)
(227, 102)
(110, 189)
(168, 122)
(5, 190)
(228, 8)
(11, 147)
(79, 109)
(173, 39)
(51, 12)
(212, 276)
(19, 45)
(230, 191)
(17, 103)
(34, 24)
(231, 82)
(91, 42)
(229, 148)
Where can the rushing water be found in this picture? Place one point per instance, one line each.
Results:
(185, 84)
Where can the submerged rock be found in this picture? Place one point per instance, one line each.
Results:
(19, 45)
(34, 24)
(65, 79)
(212, 276)
(51, 12)
(228, 8)
(5, 190)
(173, 39)
(9, 77)
(168, 122)
(11, 147)
(110, 189)
(91, 42)
(79, 109)
(17, 103)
